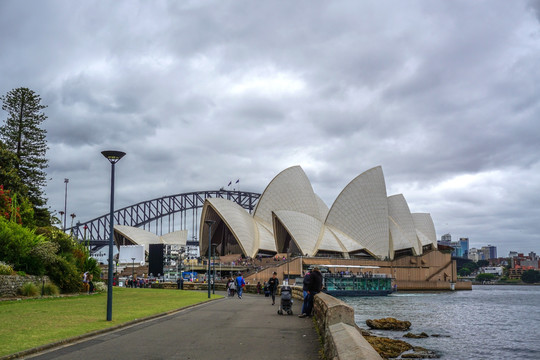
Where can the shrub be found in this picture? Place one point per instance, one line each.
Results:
(100, 286)
(16, 242)
(531, 276)
(64, 274)
(29, 289)
(485, 277)
(50, 289)
(21, 273)
(5, 269)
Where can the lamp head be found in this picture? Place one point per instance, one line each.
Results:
(113, 156)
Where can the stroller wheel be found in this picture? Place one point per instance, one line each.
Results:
(280, 312)
(289, 312)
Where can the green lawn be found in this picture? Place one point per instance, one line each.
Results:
(29, 323)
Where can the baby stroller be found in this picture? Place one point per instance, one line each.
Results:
(286, 301)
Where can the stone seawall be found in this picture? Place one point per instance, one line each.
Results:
(10, 284)
(341, 336)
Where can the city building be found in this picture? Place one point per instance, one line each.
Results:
(475, 255)
(489, 252)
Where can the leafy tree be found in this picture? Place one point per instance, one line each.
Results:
(485, 277)
(531, 276)
(482, 263)
(23, 136)
(9, 177)
(464, 272)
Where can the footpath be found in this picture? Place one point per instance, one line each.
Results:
(229, 328)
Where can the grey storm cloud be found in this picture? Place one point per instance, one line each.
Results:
(444, 95)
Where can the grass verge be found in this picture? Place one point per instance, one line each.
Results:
(29, 323)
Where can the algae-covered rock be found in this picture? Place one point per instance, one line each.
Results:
(416, 336)
(388, 324)
(388, 348)
(420, 353)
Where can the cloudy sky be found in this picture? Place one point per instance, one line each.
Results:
(444, 95)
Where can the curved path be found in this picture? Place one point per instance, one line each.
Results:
(229, 328)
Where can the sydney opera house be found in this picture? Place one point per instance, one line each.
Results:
(363, 226)
(290, 218)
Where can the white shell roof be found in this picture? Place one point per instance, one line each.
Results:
(361, 212)
(329, 242)
(137, 235)
(347, 242)
(265, 237)
(175, 238)
(303, 228)
(238, 220)
(323, 208)
(402, 225)
(289, 190)
(361, 218)
(424, 226)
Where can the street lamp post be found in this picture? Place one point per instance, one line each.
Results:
(214, 266)
(133, 272)
(209, 223)
(72, 219)
(113, 157)
(66, 181)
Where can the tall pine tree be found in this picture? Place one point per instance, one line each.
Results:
(23, 136)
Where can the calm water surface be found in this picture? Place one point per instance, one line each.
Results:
(489, 322)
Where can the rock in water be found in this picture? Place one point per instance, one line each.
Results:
(388, 348)
(415, 336)
(388, 324)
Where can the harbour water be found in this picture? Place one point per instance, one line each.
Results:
(489, 322)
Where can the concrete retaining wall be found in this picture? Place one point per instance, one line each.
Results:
(342, 338)
(10, 284)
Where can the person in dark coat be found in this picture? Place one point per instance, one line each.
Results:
(305, 287)
(273, 283)
(314, 287)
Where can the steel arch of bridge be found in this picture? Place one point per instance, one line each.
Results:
(143, 214)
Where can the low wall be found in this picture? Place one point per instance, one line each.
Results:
(403, 285)
(342, 338)
(10, 284)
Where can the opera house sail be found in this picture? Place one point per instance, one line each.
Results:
(291, 218)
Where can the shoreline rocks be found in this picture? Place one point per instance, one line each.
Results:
(388, 324)
(393, 348)
(416, 336)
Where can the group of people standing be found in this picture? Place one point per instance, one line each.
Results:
(236, 286)
(312, 285)
(88, 284)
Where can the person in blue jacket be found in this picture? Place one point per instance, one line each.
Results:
(240, 283)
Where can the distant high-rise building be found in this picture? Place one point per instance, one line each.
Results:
(464, 244)
(489, 252)
(474, 254)
(446, 240)
(512, 254)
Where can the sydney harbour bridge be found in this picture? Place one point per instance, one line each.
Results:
(160, 215)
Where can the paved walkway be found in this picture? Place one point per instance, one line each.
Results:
(230, 328)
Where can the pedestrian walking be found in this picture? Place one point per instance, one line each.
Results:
(240, 283)
(273, 283)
